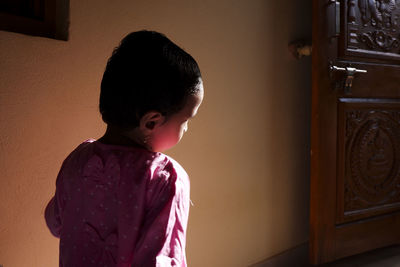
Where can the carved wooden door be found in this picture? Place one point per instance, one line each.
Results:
(355, 146)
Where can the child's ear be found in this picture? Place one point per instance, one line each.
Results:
(150, 121)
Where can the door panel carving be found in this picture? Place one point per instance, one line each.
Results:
(372, 29)
(370, 171)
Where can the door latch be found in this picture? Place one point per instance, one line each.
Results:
(349, 73)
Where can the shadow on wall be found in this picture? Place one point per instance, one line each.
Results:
(290, 109)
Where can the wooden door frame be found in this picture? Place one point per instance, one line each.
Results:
(322, 205)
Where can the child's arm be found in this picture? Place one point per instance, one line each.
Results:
(163, 239)
(173, 250)
(54, 207)
(53, 218)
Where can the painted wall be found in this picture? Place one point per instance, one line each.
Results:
(246, 151)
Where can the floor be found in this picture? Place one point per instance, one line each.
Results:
(298, 257)
(386, 257)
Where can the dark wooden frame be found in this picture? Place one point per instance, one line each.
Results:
(51, 19)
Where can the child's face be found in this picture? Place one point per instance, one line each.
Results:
(171, 131)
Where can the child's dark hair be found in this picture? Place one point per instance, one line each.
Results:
(146, 72)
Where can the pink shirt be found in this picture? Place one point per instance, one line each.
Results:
(119, 206)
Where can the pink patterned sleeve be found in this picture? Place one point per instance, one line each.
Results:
(52, 217)
(54, 208)
(163, 240)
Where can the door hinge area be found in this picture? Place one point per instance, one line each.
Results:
(336, 17)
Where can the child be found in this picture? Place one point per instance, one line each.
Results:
(119, 201)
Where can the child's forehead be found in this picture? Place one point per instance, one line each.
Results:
(193, 103)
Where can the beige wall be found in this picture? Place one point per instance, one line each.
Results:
(246, 152)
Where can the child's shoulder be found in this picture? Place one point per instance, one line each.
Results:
(167, 163)
(168, 160)
(165, 170)
(156, 161)
(78, 150)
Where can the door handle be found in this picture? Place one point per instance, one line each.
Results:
(349, 76)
